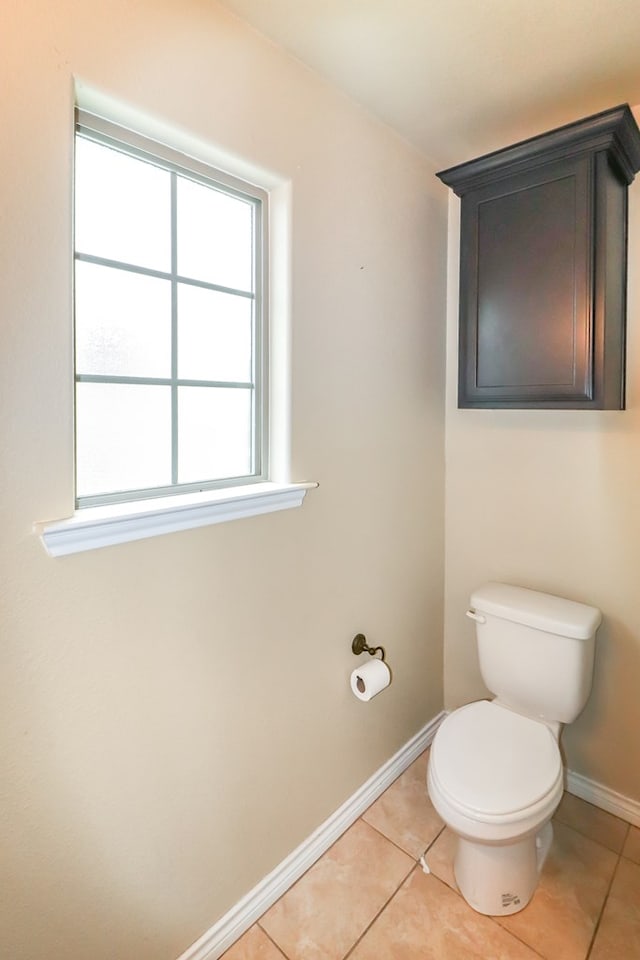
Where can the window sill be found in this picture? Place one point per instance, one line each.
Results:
(119, 523)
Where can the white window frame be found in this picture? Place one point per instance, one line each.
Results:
(127, 518)
(111, 135)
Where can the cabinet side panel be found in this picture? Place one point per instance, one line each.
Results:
(611, 286)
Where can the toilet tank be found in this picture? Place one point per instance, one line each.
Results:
(536, 650)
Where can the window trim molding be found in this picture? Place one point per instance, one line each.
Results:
(110, 524)
(92, 527)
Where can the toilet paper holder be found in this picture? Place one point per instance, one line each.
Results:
(359, 645)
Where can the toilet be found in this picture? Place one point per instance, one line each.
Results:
(495, 772)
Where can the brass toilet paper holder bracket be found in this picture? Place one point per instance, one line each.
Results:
(359, 645)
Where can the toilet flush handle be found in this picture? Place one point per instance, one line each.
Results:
(476, 616)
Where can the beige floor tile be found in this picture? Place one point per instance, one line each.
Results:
(404, 812)
(440, 856)
(560, 920)
(632, 846)
(593, 822)
(328, 909)
(428, 921)
(254, 945)
(618, 936)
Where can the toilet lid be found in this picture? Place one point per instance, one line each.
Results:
(493, 761)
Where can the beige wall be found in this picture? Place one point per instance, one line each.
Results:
(175, 715)
(551, 500)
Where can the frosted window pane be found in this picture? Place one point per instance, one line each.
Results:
(214, 335)
(123, 207)
(214, 433)
(123, 437)
(123, 323)
(215, 236)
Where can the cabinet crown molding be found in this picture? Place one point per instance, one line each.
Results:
(614, 131)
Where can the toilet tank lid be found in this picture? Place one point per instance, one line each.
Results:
(539, 610)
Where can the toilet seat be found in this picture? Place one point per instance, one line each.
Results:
(492, 765)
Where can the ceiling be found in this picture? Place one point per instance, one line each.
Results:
(463, 77)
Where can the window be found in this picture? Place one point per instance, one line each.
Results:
(170, 321)
(171, 356)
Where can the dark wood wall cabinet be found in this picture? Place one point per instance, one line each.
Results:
(543, 253)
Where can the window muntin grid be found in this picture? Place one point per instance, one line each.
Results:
(171, 373)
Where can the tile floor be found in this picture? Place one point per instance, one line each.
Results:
(368, 898)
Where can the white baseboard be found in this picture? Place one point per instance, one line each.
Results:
(233, 924)
(603, 797)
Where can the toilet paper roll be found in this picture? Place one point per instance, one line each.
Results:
(370, 679)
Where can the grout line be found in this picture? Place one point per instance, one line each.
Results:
(388, 839)
(515, 936)
(437, 836)
(572, 826)
(602, 909)
(587, 836)
(380, 911)
(397, 845)
(603, 846)
(271, 940)
(624, 856)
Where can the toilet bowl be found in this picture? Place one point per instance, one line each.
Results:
(498, 794)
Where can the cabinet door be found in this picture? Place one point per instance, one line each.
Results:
(526, 303)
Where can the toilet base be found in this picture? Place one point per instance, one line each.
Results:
(499, 879)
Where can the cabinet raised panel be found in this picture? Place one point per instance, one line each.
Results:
(543, 267)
